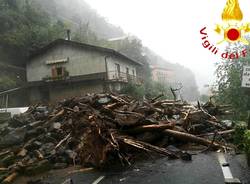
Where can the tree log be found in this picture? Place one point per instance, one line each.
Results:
(147, 147)
(218, 133)
(191, 138)
(147, 128)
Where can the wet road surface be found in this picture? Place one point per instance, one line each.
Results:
(203, 169)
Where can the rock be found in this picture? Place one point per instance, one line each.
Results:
(104, 100)
(38, 167)
(57, 135)
(13, 138)
(76, 109)
(15, 123)
(31, 161)
(4, 131)
(4, 116)
(8, 160)
(40, 116)
(47, 139)
(22, 153)
(48, 148)
(60, 165)
(33, 146)
(35, 132)
(56, 126)
(42, 109)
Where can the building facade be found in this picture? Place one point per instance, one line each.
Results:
(162, 75)
(66, 68)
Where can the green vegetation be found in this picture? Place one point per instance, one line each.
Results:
(134, 90)
(7, 83)
(229, 90)
(24, 28)
(27, 25)
(204, 98)
(240, 129)
(149, 90)
(247, 142)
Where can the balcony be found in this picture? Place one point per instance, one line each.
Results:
(124, 77)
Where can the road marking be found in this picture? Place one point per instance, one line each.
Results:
(226, 170)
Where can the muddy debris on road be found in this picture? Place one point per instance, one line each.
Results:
(100, 130)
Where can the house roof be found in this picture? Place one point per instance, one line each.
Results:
(81, 45)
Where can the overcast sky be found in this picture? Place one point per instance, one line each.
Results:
(171, 28)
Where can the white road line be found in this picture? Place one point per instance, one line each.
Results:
(226, 170)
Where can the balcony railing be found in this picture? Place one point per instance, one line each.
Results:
(110, 76)
(124, 77)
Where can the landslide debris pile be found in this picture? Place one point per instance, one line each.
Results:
(101, 129)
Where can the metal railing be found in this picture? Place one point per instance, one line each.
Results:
(4, 97)
(124, 77)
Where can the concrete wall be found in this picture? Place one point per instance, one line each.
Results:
(50, 93)
(72, 90)
(81, 62)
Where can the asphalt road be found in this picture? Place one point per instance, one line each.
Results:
(203, 169)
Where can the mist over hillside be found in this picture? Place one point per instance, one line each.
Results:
(29, 25)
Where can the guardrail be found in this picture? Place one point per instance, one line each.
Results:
(4, 97)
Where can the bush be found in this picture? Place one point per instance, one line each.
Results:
(148, 90)
(134, 90)
(7, 83)
(247, 145)
(240, 129)
(247, 142)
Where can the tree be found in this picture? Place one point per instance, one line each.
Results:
(25, 28)
(229, 90)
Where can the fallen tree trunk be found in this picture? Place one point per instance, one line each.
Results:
(191, 138)
(147, 147)
(218, 133)
(147, 128)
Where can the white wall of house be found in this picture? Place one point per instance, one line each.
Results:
(80, 61)
(123, 63)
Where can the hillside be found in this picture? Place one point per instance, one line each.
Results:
(29, 25)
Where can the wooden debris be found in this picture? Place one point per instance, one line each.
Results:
(98, 130)
(10, 178)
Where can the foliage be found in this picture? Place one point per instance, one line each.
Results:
(149, 90)
(204, 98)
(7, 83)
(247, 142)
(229, 90)
(134, 90)
(154, 89)
(25, 28)
(240, 129)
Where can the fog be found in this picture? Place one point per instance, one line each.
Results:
(171, 28)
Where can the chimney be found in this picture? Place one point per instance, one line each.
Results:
(68, 34)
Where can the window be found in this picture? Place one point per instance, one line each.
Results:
(59, 71)
(133, 71)
(127, 71)
(118, 69)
